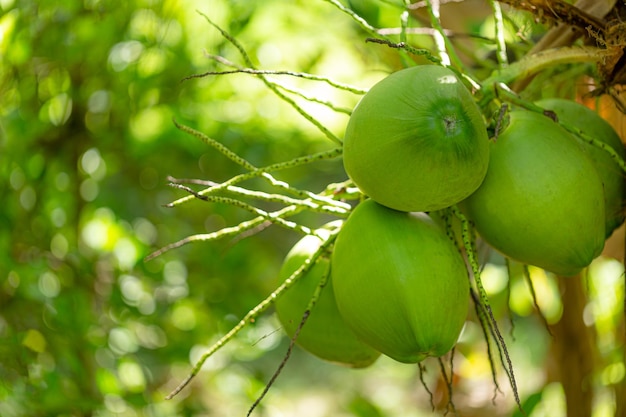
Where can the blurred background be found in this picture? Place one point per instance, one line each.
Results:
(89, 91)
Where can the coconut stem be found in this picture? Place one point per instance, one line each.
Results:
(468, 243)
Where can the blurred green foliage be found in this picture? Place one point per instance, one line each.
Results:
(87, 96)
(88, 93)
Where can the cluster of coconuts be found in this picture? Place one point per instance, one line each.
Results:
(417, 143)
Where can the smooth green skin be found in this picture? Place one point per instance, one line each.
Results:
(325, 334)
(590, 123)
(400, 283)
(542, 201)
(417, 141)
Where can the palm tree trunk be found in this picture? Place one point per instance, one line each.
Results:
(572, 350)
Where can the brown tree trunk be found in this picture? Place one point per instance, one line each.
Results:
(572, 349)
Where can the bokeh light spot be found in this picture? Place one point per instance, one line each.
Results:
(35, 341)
(28, 198)
(494, 278)
(59, 246)
(131, 376)
(184, 317)
(59, 109)
(131, 289)
(115, 404)
(58, 217)
(101, 232)
(175, 273)
(122, 341)
(126, 254)
(90, 161)
(49, 284)
(125, 53)
(145, 231)
(149, 123)
(99, 101)
(17, 179)
(613, 374)
(89, 189)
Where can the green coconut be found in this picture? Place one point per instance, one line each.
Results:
(612, 176)
(541, 202)
(417, 141)
(325, 334)
(399, 282)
